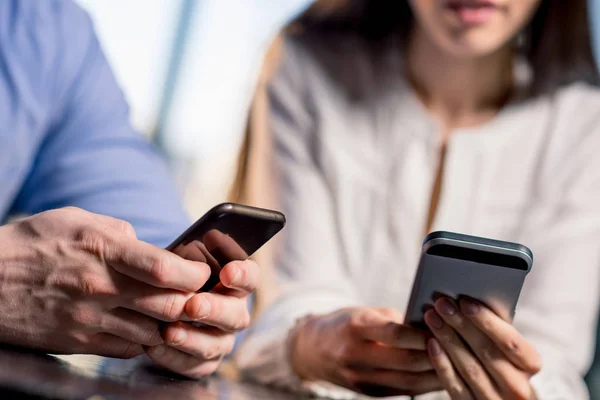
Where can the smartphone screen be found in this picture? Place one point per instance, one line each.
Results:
(228, 232)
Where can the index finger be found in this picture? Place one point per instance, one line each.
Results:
(512, 344)
(375, 327)
(155, 266)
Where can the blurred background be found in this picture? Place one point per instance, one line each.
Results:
(188, 69)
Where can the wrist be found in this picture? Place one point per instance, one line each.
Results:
(296, 343)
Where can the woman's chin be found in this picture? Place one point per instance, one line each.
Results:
(472, 47)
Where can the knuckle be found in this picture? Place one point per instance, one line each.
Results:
(356, 321)
(488, 353)
(126, 228)
(241, 267)
(92, 284)
(459, 322)
(70, 213)
(250, 274)
(85, 315)
(215, 312)
(388, 311)
(87, 284)
(152, 336)
(445, 337)
(219, 349)
(199, 307)
(396, 331)
(487, 325)
(170, 335)
(173, 307)
(91, 238)
(472, 372)
(160, 270)
(131, 350)
(212, 352)
(514, 349)
(511, 347)
(342, 355)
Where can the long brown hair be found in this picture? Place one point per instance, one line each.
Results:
(557, 41)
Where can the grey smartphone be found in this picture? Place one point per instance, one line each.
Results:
(456, 265)
(226, 233)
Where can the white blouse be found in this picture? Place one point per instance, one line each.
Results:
(357, 155)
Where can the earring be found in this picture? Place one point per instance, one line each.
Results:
(521, 41)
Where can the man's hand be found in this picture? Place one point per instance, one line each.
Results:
(363, 349)
(196, 350)
(479, 355)
(76, 282)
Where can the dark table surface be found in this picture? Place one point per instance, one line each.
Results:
(33, 376)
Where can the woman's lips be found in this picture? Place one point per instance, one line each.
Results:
(473, 12)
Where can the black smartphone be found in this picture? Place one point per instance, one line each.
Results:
(226, 233)
(456, 265)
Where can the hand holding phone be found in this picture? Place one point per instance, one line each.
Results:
(364, 349)
(223, 238)
(475, 350)
(457, 265)
(228, 232)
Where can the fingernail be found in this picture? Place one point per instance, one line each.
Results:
(157, 351)
(434, 348)
(469, 307)
(446, 307)
(179, 335)
(237, 275)
(203, 309)
(434, 320)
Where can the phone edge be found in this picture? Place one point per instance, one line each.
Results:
(481, 243)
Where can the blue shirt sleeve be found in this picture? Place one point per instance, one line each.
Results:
(90, 156)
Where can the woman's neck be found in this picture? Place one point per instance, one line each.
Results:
(458, 92)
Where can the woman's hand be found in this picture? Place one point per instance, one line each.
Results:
(363, 349)
(196, 350)
(477, 354)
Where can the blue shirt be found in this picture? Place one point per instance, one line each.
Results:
(65, 135)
